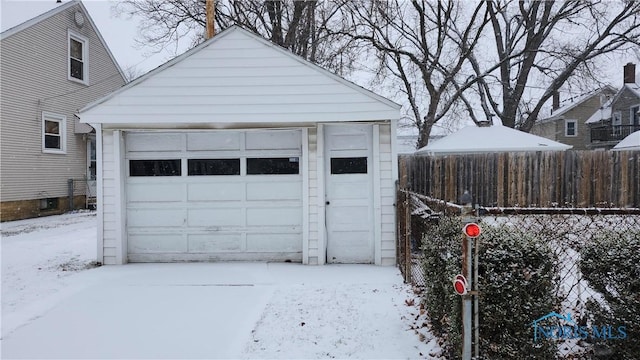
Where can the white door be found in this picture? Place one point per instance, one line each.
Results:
(349, 193)
(217, 195)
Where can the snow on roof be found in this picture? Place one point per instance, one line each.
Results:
(575, 101)
(631, 142)
(604, 112)
(496, 138)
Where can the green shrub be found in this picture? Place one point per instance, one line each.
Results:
(610, 263)
(518, 275)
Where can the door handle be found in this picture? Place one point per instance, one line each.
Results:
(328, 202)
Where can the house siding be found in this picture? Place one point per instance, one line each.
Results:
(623, 104)
(554, 127)
(34, 79)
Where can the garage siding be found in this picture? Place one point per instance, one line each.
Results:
(111, 243)
(313, 197)
(387, 194)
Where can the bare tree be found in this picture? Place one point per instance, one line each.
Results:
(308, 28)
(542, 45)
(423, 46)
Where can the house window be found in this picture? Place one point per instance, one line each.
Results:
(155, 167)
(616, 123)
(214, 167)
(571, 128)
(78, 58)
(54, 133)
(635, 115)
(273, 166)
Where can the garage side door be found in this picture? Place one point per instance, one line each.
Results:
(218, 195)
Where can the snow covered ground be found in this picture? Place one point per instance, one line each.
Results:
(53, 296)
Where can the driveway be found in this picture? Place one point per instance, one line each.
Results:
(221, 310)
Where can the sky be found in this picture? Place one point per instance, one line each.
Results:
(118, 32)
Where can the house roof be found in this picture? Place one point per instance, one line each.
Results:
(604, 112)
(574, 102)
(58, 8)
(238, 77)
(631, 142)
(495, 138)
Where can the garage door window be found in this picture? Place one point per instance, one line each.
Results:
(170, 167)
(352, 165)
(273, 166)
(214, 167)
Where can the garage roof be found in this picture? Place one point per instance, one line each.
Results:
(238, 77)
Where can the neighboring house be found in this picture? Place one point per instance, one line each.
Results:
(620, 116)
(240, 150)
(51, 66)
(488, 138)
(567, 121)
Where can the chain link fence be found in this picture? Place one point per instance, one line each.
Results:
(554, 282)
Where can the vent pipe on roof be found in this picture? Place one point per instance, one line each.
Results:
(629, 73)
(58, 1)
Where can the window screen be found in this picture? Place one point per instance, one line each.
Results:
(214, 167)
(273, 166)
(155, 167)
(352, 165)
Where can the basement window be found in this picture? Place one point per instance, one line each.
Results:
(273, 166)
(49, 204)
(351, 165)
(214, 167)
(170, 167)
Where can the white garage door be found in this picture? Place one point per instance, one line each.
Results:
(207, 196)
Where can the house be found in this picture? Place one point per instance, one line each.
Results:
(240, 150)
(51, 66)
(566, 124)
(618, 117)
(488, 138)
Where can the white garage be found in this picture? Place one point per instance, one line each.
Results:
(240, 151)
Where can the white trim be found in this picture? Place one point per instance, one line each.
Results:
(566, 127)
(16, 29)
(62, 120)
(120, 210)
(304, 164)
(85, 57)
(394, 151)
(377, 198)
(322, 223)
(99, 192)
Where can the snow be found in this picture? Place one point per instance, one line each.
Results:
(53, 295)
(496, 138)
(631, 142)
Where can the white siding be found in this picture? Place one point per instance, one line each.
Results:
(110, 201)
(314, 252)
(237, 77)
(387, 194)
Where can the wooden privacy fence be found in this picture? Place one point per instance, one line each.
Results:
(532, 179)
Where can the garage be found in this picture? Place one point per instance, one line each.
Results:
(214, 195)
(238, 150)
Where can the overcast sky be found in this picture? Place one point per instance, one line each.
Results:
(119, 33)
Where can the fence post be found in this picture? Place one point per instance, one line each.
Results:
(70, 193)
